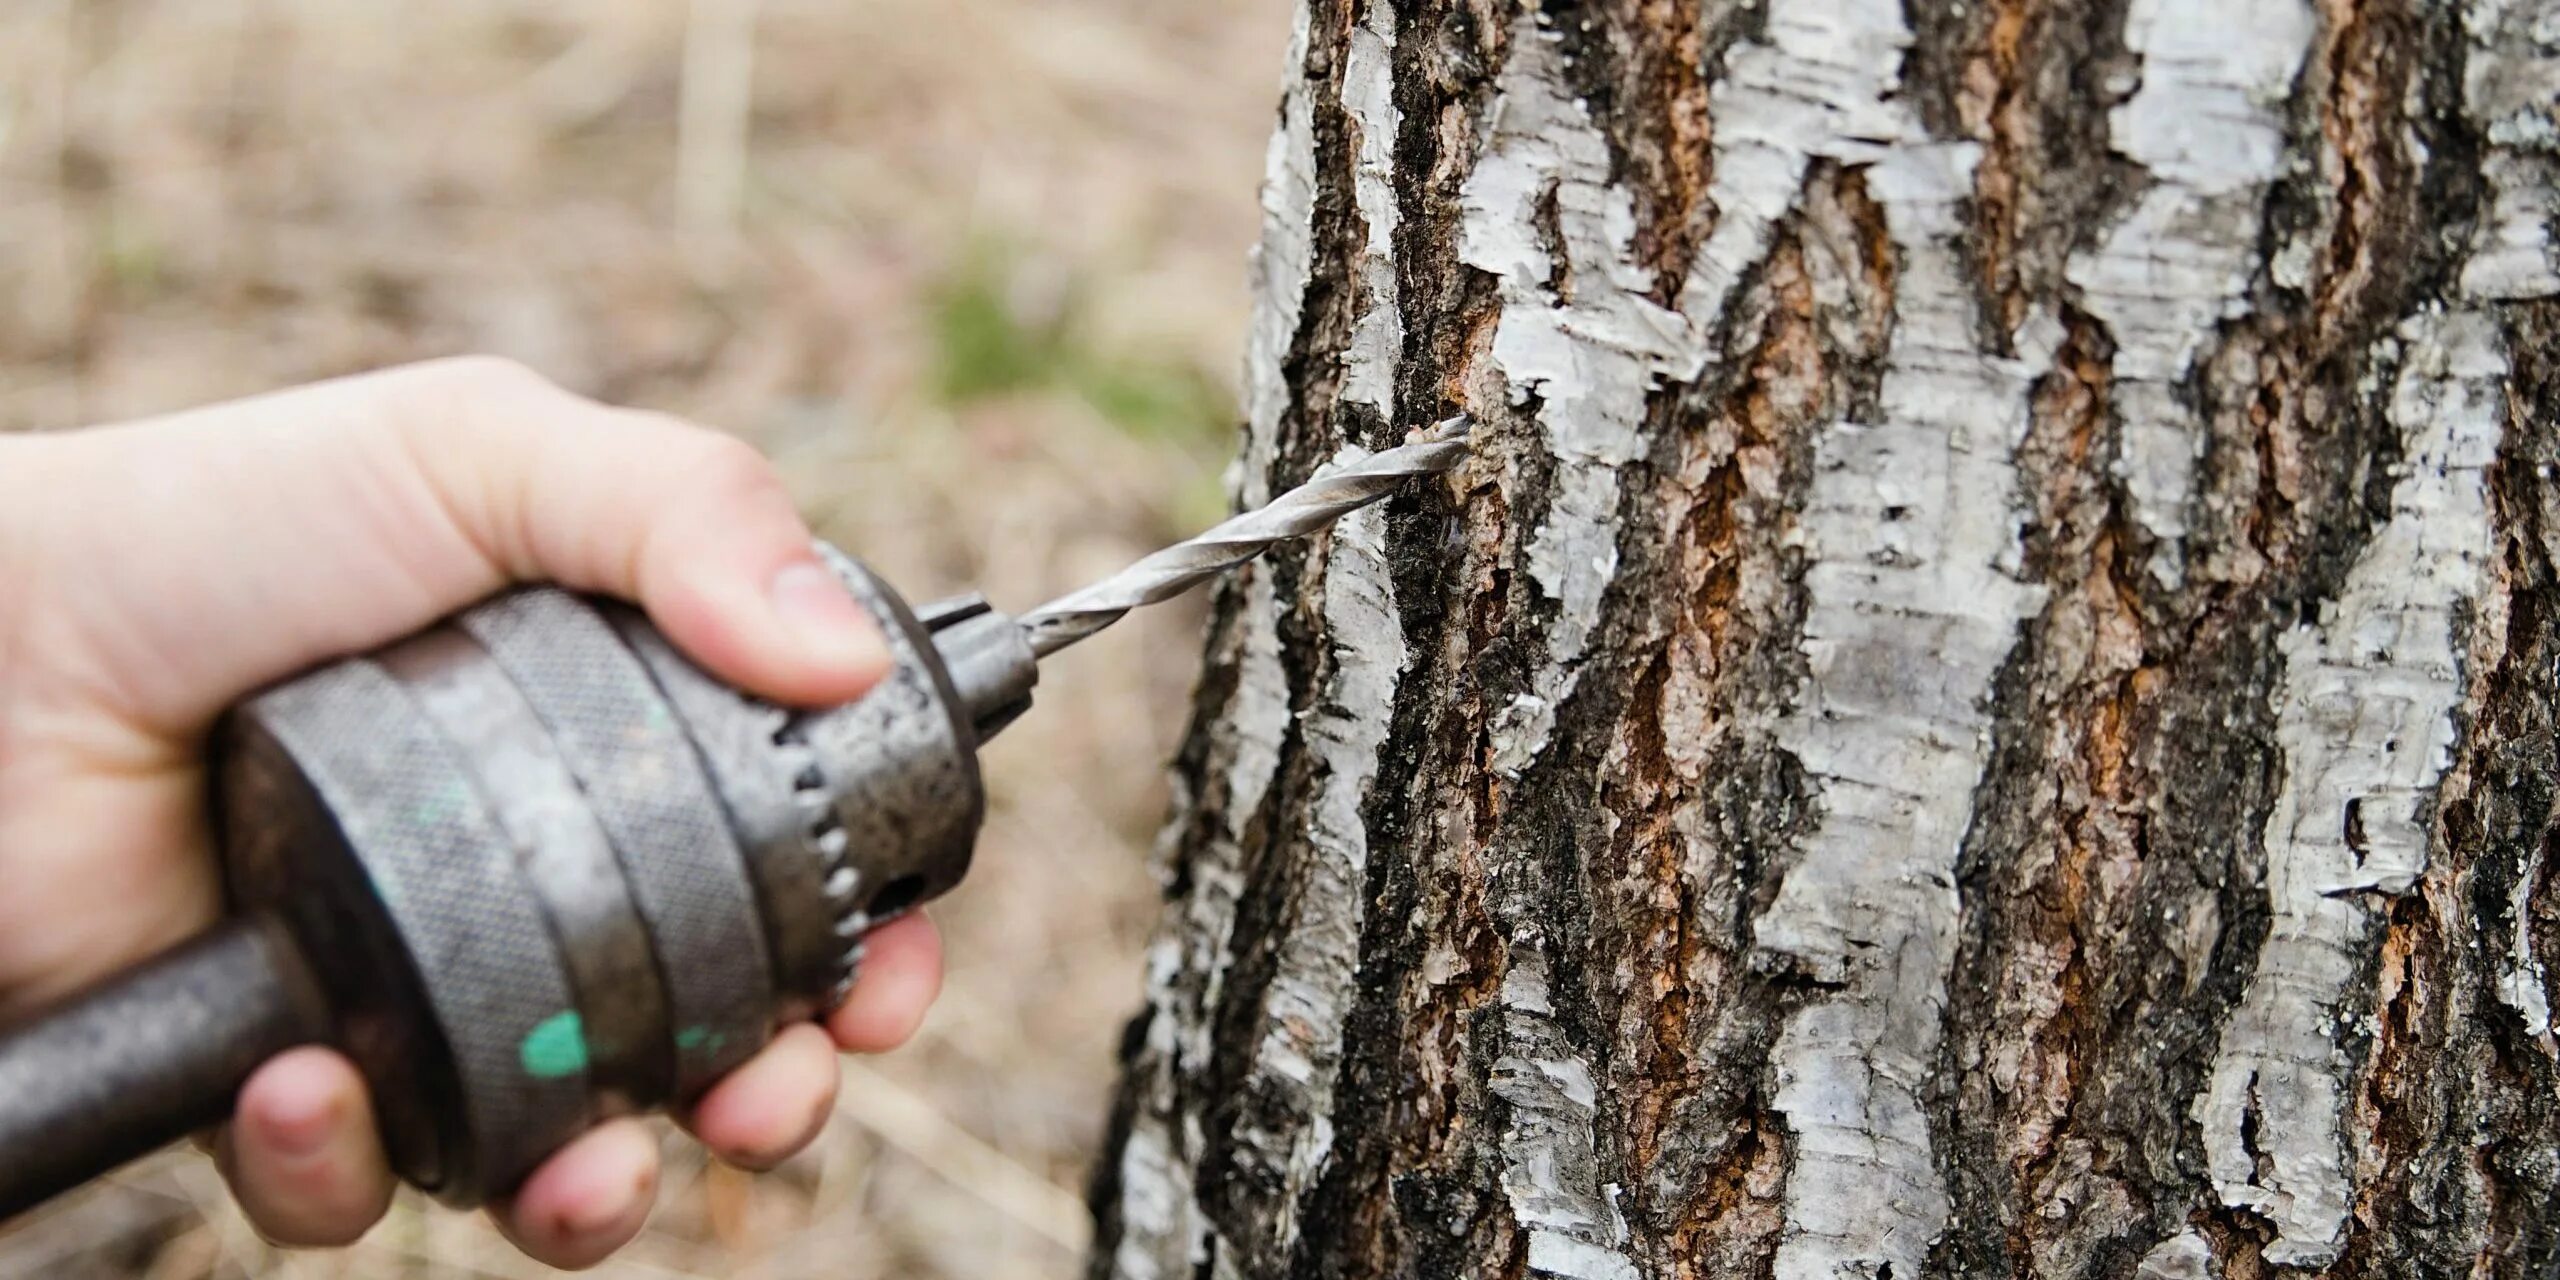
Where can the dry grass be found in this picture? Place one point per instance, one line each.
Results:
(972, 269)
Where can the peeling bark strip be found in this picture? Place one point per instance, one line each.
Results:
(1984, 707)
(1368, 96)
(1282, 262)
(1310, 990)
(1163, 1229)
(1578, 333)
(2510, 85)
(1912, 540)
(2508, 88)
(1551, 1167)
(2372, 702)
(2367, 721)
(2184, 1256)
(2207, 127)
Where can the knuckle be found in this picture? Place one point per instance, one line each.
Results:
(490, 400)
(728, 466)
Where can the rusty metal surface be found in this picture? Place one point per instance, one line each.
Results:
(493, 985)
(901, 766)
(157, 1052)
(646, 787)
(755, 771)
(564, 852)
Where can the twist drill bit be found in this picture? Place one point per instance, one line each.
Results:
(1301, 511)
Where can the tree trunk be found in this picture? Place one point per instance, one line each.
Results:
(1985, 705)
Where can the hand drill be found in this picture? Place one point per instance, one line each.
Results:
(531, 868)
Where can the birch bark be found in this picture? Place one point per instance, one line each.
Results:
(1985, 707)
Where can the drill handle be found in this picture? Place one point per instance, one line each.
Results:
(152, 1055)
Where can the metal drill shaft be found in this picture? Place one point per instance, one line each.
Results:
(1300, 511)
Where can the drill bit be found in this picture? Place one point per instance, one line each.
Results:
(1303, 510)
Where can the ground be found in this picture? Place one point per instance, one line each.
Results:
(973, 270)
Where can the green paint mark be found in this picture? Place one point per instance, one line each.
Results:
(700, 1038)
(555, 1048)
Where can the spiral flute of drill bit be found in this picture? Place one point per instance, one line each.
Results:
(1186, 564)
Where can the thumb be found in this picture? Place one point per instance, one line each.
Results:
(326, 520)
(695, 526)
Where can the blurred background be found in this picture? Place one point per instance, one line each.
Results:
(971, 270)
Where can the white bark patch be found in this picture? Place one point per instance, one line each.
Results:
(1911, 537)
(1817, 84)
(1259, 712)
(1161, 1228)
(2184, 1256)
(2524, 983)
(2365, 719)
(2511, 90)
(1578, 332)
(1368, 97)
(1550, 1163)
(1164, 1229)
(1257, 719)
(1279, 264)
(2208, 123)
(1315, 977)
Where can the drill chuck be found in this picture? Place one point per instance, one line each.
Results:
(529, 869)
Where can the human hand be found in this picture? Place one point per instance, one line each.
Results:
(151, 574)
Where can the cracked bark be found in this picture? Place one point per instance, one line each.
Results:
(1985, 707)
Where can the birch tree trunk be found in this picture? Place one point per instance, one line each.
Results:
(1986, 705)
